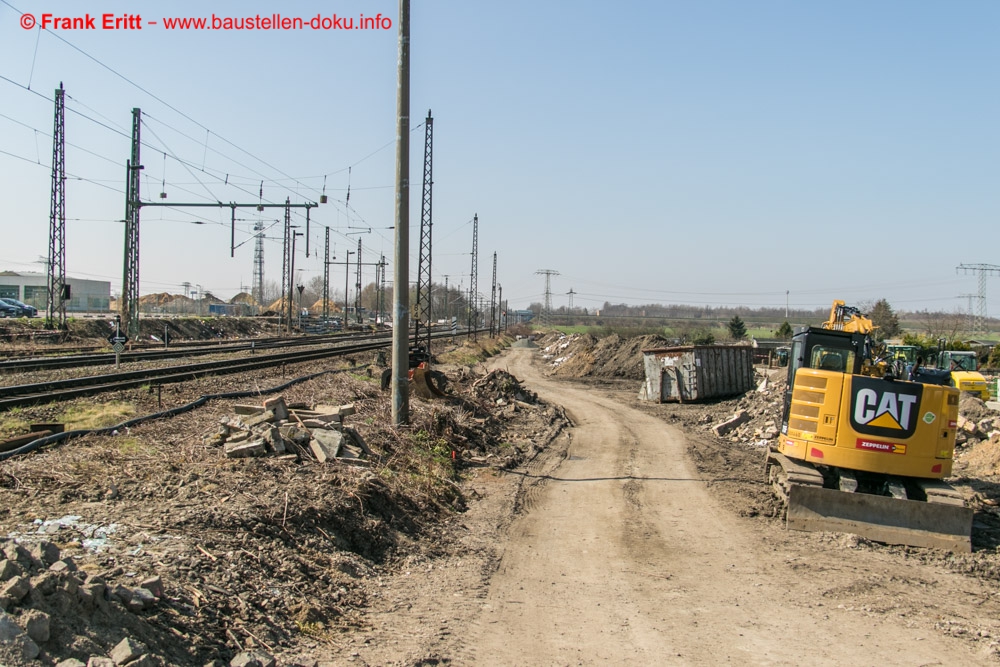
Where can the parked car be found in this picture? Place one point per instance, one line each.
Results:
(23, 309)
(7, 310)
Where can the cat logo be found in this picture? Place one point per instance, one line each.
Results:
(884, 408)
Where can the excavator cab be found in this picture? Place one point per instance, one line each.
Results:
(822, 349)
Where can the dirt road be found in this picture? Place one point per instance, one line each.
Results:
(622, 556)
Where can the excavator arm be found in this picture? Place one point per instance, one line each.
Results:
(849, 319)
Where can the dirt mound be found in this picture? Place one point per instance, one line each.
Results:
(973, 408)
(317, 307)
(622, 358)
(162, 299)
(583, 355)
(981, 459)
(568, 356)
(244, 298)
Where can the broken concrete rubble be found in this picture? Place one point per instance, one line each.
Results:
(40, 597)
(740, 418)
(127, 650)
(326, 444)
(239, 450)
(274, 428)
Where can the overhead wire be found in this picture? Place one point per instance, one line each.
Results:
(151, 94)
(109, 125)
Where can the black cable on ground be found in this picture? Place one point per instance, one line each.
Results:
(172, 412)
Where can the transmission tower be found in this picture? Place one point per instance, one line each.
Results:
(357, 288)
(494, 330)
(970, 317)
(129, 306)
(56, 284)
(982, 271)
(571, 293)
(258, 265)
(473, 320)
(547, 309)
(423, 308)
(286, 308)
(326, 279)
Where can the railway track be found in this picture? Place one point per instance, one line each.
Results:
(106, 358)
(56, 390)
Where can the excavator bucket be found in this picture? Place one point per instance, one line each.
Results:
(942, 525)
(422, 383)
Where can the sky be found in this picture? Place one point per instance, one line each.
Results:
(721, 153)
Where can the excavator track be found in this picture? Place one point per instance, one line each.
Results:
(942, 521)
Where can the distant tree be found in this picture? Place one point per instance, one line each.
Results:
(737, 329)
(885, 319)
(703, 337)
(927, 347)
(993, 362)
(784, 332)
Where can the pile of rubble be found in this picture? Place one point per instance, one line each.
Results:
(976, 422)
(40, 589)
(503, 389)
(484, 432)
(563, 348)
(755, 422)
(612, 356)
(277, 428)
(977, 443)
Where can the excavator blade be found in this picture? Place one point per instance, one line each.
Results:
(880, 518)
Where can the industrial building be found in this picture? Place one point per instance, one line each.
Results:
(86, 296)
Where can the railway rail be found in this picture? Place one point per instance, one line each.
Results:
(105, 358)
(43, 392)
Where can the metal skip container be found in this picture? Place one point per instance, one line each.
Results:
(696, 372)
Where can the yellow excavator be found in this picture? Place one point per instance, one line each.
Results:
(862, 449)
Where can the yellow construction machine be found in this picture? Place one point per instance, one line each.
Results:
(964, 369)
(862, 449)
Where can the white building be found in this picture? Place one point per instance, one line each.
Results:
(85, 296)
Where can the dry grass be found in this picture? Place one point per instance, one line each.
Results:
(97, 415)
(474, 351)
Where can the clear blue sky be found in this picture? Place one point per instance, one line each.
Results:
(718, 152)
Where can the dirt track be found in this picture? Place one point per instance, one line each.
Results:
(622, 555)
